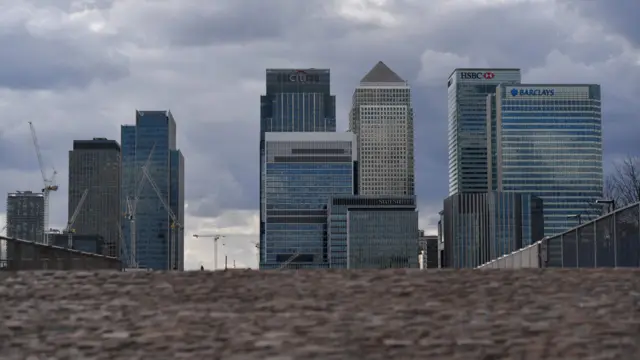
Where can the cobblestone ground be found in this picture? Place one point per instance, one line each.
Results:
(467, 315)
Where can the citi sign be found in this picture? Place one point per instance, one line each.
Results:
(477, 75)
(533, 92)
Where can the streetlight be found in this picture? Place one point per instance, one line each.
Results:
(576, 216)
(215, 247)
(611, 203)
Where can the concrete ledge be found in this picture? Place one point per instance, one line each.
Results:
(325, 314)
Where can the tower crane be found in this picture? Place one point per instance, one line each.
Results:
(72, 220)
(215, 246)
(49, 183)
(130, 214)
(175, 224)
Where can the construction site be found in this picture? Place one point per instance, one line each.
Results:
(31, 243)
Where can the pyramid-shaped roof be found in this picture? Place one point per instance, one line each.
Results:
(381, 74)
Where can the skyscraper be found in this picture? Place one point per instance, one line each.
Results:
(468, 156)
(296, 100)
(382, 118)
(549, 143)
(94, 165)
(25, 215)
(154, 130)
(302, 172)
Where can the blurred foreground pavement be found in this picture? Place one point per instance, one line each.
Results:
(388, 314)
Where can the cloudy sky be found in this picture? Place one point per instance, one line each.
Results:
(79, 68)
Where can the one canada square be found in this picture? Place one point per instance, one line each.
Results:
(382, 118)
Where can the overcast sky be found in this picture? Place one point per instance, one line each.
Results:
(79, 68)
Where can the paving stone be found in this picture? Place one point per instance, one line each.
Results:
(388, 314)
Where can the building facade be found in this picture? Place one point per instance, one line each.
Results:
(480, 227)
(25, 215)
(154, 130)
(302, 171)
(382, 118)
(296, 100)
(549, 143)
(468, 133)
(370, 231)
(94, 165)
(430, 249)
(94, 244)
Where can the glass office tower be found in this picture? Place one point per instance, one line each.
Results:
(302, 172)
(549, 143)
(468, 90)
(153, 130)
(296, 100)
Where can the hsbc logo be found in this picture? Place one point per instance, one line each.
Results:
(477, 75)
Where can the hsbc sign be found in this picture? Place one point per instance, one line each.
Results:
(469, 75)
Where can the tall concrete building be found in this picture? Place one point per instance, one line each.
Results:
(303, 171)
(154, 130)
(25, 215)
(94, 165)
(468, 132)
(382, 118)
(296, 100)
(549, 143)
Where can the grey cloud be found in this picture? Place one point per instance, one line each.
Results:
(222, 157)
(620, 16)
(241, 22)
(29, 62)
(74, 4)
(236, 146)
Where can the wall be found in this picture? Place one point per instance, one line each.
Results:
(27, 255)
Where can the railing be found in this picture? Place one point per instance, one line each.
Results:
(612, 240)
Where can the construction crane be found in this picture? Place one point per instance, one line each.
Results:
(49, 182)
(130, 214)
(215, 247)
(72, 220)
(257, 245)
(175, 224)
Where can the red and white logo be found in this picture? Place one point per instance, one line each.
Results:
(489, 75)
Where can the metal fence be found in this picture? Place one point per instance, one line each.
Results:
(612, 240)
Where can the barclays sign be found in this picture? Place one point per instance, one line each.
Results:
(533, 92)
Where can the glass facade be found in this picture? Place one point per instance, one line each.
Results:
(388, 221)
(302, 171)
(480, 227)
(382, 239)
(25, 215)
(549, 143)
(612, 240)
(467, 133)
(153, 130)
(296, 100)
